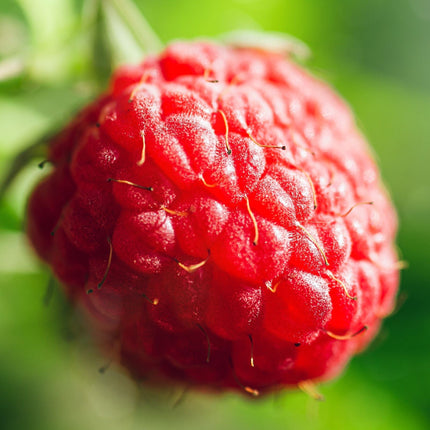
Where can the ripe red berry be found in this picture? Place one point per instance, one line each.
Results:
(218, 216)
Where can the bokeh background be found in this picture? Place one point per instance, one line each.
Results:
(55, 55)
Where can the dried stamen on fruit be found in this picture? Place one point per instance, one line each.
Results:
(100, 284)
(344, 214)
(193, 267)
(208, 355)
(353, 207)
(57, 224)
(252, 351)
(122, 181)
(153, 301)
(295, 143)
(346, 336)
(311, 183)
(143, 79)
(309, 388)
(309, 236)
(271, 287)
(254, 222)
(331, 173)
(226, 131)
(172, 212)
(206, 75)
(330, 275)
(142, 157)
(265, 146)
(205, 183)
(398, 265)
(254, 392)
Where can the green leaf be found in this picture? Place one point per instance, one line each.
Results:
(52, 25)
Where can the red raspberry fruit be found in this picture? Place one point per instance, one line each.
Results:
(218, 216)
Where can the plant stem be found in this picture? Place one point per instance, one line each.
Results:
(138, 25)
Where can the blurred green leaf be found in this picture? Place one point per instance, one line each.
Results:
(52, 25)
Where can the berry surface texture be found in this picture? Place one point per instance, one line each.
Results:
(220, 220)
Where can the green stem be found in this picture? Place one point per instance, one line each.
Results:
(138, 25)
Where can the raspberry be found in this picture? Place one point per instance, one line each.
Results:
(220, 220)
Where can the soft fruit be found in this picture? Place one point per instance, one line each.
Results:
(220, 220)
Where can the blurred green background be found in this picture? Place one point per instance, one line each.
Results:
(376, 53)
